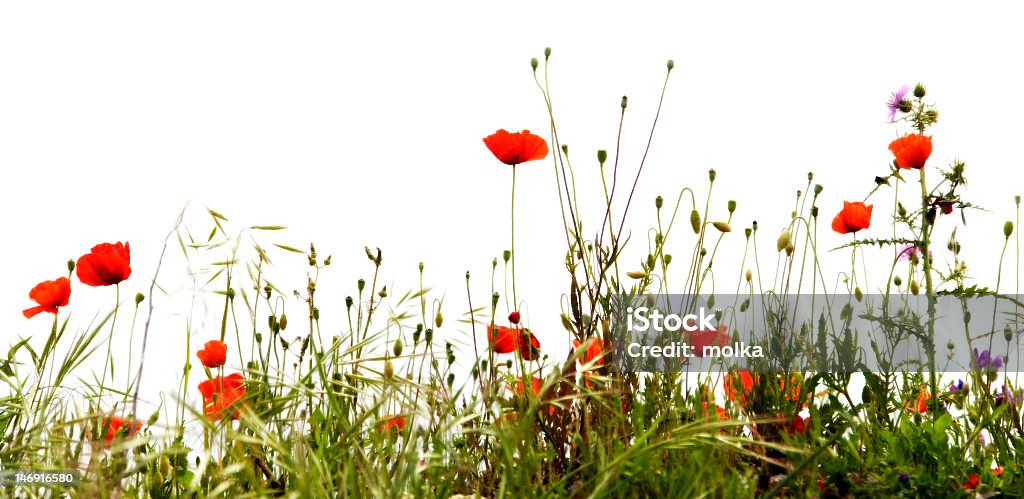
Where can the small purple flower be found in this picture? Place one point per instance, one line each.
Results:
(904, 478)
(986, 361)
(957, 387)
(909, 252)
(1006, 395)
(897, 100)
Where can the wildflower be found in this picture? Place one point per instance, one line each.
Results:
(507, 340)
(911, 151)
(221, 393)
(105, 265)
(904, 479)
(922, 400)
(985, 360)
(898, 102)
(972, 482)
(50, 295)
(1007, 395)
(700, 340)
(514, 318)
(853, 217)
(910, 253)
(740, 379)
(392, 422)
(798, 425)
(958, 386)
(517, 147)
(519, 388)
(528, 350)
(214, 354)
(118, 426)
(594, 351)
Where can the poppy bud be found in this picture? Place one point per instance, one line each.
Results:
(138, 298)
(348, 302)
(858, 294)
(494, 300)
(950, 345)
(1007, 333)
(919, 90)
(71, 263)
(514, 317)
(283, 322)
(397, 347)
(566, 323)
(1016, 200)
(636, 274)
(420, 266)
(451, 380)
(915, 288)
(602, 156)
(754, 225)
(534, 63)
(416, 334)
(505, 255)
(658, 202)
(731, 205)
(1008, 229)
(671, 64)
(897, 281)
(389, 370)
(695, 221)
(749, 275)
(712, 174)
(783, 241)
(508, 364)
(428, 335)
(790, 249)
(814, 211)
(722, 226)
(383, 293)
(438, 319)
(623, 103)
(817, 189)
(667, 259)
(703, 252)
(547, 52)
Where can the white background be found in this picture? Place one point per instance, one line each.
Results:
(360, 123)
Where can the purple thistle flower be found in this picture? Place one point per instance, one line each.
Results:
(986, 361)
(896, 101)
(909, 251)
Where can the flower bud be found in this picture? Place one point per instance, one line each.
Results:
(749, 275)
(428, 335)
(636, 274)
(383, 293)
(783, 241)
(897, 281)
(451, 380)
(138, 298)
(915, 288)
(712, 174)
(658, 202)
(602, 156)
(1008, 229)
(814, 211)
(438, 318)
(919, 90)
(667, 259)
(505, 255)
(623, 103)
(722, 226)
(695, 221)
(547, 52)
(514, 317)
(348, 302)
(671, 64)
(283, 322)
(1016, 200)
(817, 189)
(565, 149)
(1007, 333)
(397, 347)
(790, 249)
(71, 263)
(534, 63)
(389, 370)
(731, 205)
(905, 106)
(420, 266)
(950, 345)
(566, 323)
(858, 294)
(360, 284)
(369, 253)
(494, 300)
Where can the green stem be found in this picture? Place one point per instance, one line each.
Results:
(515, 300)
(929, 289)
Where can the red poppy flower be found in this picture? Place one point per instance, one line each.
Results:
(712, 337)
(519, 387)
(854, 216)
(50, 295)
(507, 340)
(594, 351)
(214, 354)
(118, 426)
(221, 393)
(920, 404)
(972, 482)
(912, 150)
(741, 379)
(515, 148)
(392, 421)
(514, 318)
(106, 264)
(798, 425)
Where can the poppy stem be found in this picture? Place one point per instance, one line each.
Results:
(929, 293)
(515, 300)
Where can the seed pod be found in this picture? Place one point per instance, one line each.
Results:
(397, 348)
(667, 259)
(695, 221)
(731, 205)
(1007, 333)
(438, 319)
(1008, 229)
(722, 226)
(283, 322)
(602, 156)
(389, 369)
(784, 240)
(897, 281)
(658, 202)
